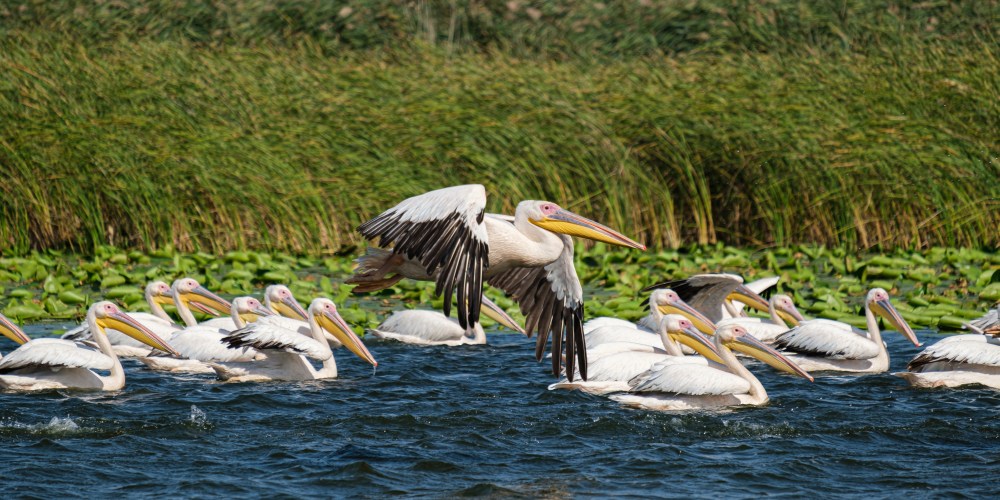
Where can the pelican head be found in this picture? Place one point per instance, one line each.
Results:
(249, 309)
(279, 299)
(668, 302)
(193, 294)
(749, 297)
(737, 338)
(159, 292)
(107, 315)
(878, 301)
(11, 331)
(785, 308)
(552, 217)
(329, 319)
(683, 330)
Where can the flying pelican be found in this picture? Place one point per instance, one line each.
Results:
(662, 301)
(613, 364)
(712, 294)
(286, 350)
(445, 236)
(988, 323)
(781, 308)
(198, 345)
(956, 361)
(10, 330)
(674, 384)
(433, 328)
(48, 363)
(825, 345)
(157, 293)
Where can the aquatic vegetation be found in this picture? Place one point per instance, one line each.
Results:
(939, 288)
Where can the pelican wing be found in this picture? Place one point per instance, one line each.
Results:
(205, 344)
(444, 230)
(830, 339)
(704, 292)
(987, 322)
(551, 300)
(263, 336)
(682, 376)
(969, 349)
(55, 353)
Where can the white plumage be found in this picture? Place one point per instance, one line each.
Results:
(55, 353)
(956, 361)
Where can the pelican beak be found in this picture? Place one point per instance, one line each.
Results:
(696, 340)
(257, 312)
(129, 326)
(566, 222)
(163, 299)
(11, 331)
(791, 316)
(203, 300)
(290, 308)
(703, 324)
(885, 309)
(497, 314)
(749, 345)
(336, 325)
(748, 297)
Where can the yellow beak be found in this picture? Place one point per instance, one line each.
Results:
(11, 331)
(290, 308)
(885, 309)
(129, 326)
(699, 342)
(566, 222)
(202, 299)
(749, 345)
(749, 297)
(703, 324)
(336, 325)
(497, 314)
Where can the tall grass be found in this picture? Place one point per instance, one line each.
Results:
(186, 123)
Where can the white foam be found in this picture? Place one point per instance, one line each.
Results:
(198, 417)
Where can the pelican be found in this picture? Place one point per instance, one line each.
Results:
(675, 384)
(757, 286)
(445, 236)
(661, 301)
(199, 344)
(287, 350)
(988, 323)
(279, 300)
(825, 345)
(433, 328)
(10, 330)
(613, 364)
(157, 294)
(956, 361)
(712, 294)
(781, 308)
(63, 364)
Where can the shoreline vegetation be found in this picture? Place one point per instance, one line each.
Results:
(280, 126)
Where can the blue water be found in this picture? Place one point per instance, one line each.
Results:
(478, 420)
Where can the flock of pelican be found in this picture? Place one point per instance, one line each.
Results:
(685, 354)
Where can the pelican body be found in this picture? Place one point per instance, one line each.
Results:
(446, 236)
(662, 301)
(673, 384)
(825, 345)
(288, 352)
(433, 328)
(63, 364)
(157, 294)
(956, 361)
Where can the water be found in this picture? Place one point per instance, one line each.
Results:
(478, 421)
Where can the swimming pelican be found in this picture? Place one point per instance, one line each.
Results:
(10, 330)
(286, 350)
(198, 345)
(157, 293)
(661, 301)
(712, 294)
(613, 364)
(956, 361)
(279, 300)
(781, 308)
(433, 328)
(825, 345)
(674, 384)
(988, 323)
(48, 363)
(445, 236)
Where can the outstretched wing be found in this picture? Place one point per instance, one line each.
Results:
(262, 336)
(444, 230)
(704, 292)
(55, 353)
(551, 300)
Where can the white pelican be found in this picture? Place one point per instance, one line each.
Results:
(956, 361)
(157, 293)
(662, 301)
(63, 364)
(447, 237)
(286, 350)
(781, 308)
(10, 330)
(613, 364)
(188, 293)
(433, 328)
(988, 323)
(198, 345)
(712, 294)
(825, 345)
(674, 384)
(279, 300)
